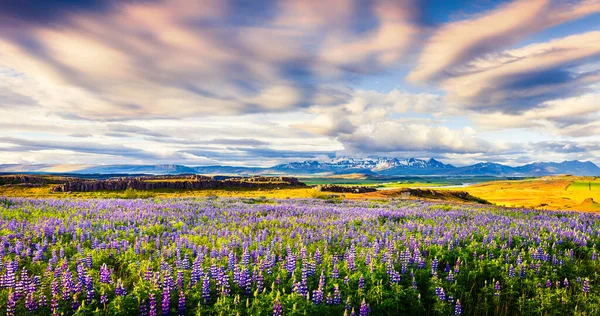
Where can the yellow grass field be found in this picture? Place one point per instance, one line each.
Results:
(561, 192)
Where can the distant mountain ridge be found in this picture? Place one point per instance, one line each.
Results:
(338, 166)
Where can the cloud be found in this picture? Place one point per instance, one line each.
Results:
(25, 145)
(566, 147)
(367, 106)
(384, 123)
(390, 136)
(241, 141)
(245, 153)
(457, 43)
(166, 59)
(575, 117)
(131, 129)
(261, 82)
(520, 79)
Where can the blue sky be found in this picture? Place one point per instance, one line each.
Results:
(263, 82)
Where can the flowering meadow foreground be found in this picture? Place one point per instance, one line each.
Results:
(293, 257)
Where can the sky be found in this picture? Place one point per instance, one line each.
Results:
(262, 82)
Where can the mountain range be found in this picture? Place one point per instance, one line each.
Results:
(382, 167)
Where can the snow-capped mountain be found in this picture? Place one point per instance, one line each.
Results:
(388, 167)
(382, 166)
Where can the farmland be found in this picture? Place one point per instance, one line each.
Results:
(224, 256)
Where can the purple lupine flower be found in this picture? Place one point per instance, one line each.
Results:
(337, 298)
(180, 279)
(54, 305)
(75, 304)
(361, 282)
(103, 299)
(450, 277)
(414, 283)
(43, 301)
(120, 289)
(317, 296)
(457, 308)
(152, 305)
(497, 288)
(317, 257)
(439, 291)
(364, 309)
(181, 304)
(89, 289)
(277, 308)
(11, 304)
(566, 283)
(522, 272)
(143, 308)
(548, 283)
(511, 271)
(206, 289)
(334, 272)
(30, 302)
(259, 282)
(104, 274)
(166, 301)
(586, 286)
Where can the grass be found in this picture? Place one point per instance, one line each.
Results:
(591, 185)
(562, 192)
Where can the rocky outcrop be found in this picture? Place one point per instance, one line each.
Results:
(344, 189)
(21, 179)
(194, 182)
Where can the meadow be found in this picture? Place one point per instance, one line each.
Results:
(232, 256)
(554, 193)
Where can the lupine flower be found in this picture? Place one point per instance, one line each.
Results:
(277, 308)
(143, 308)
(120, 289)
(586, 286)
(166, 301)
(337, 299)
(440, 293)
(457, 308)
(103, 299)
(364, 309)
(11, 304)
(104, 274)
(152, 305)
(206, 290)
(181, 304)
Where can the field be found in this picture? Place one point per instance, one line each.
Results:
(556, 193)
(224, 256)
(590, 185)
